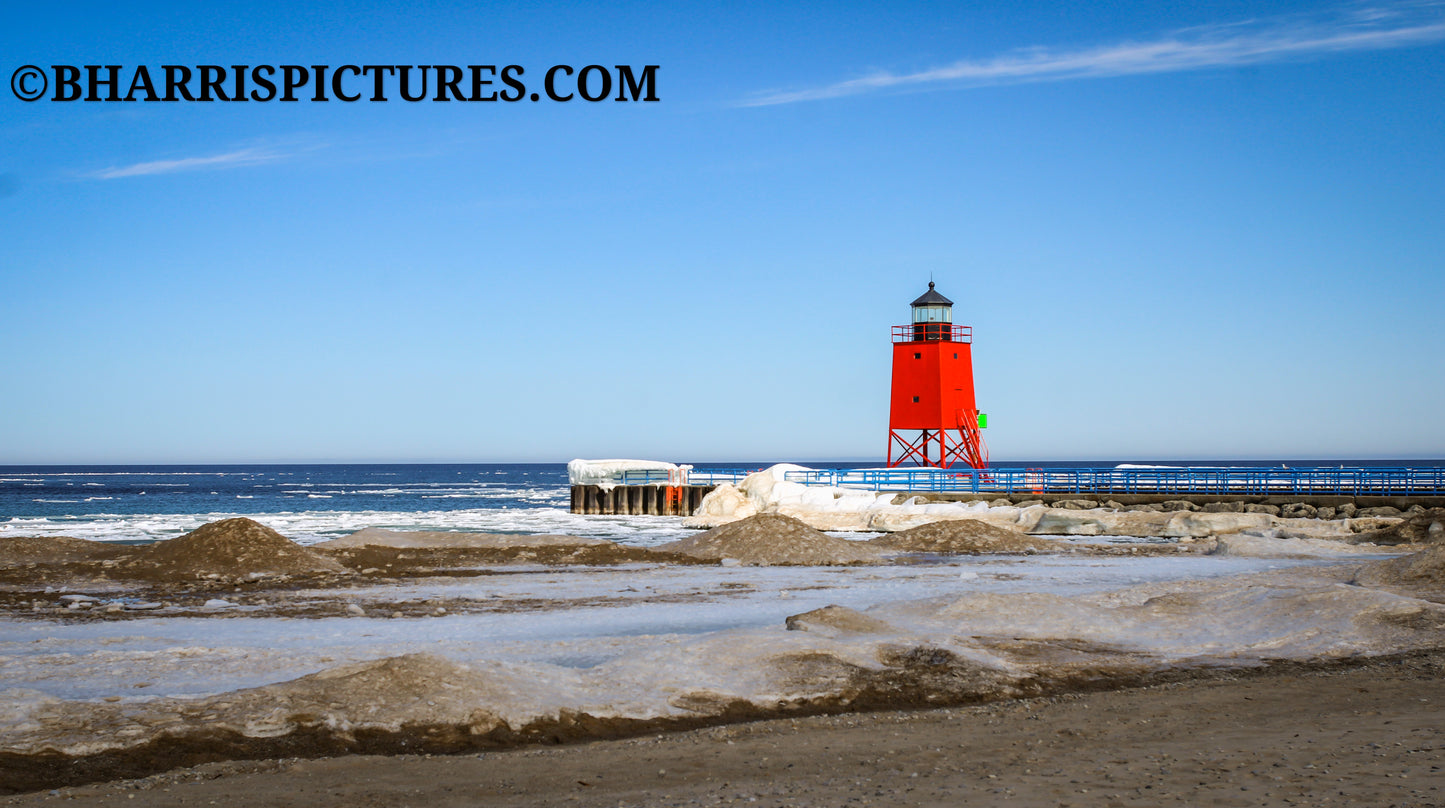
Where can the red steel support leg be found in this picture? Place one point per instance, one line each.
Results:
(962, 446)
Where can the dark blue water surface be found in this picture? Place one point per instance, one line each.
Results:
(74, 490)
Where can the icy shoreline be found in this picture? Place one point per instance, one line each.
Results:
(571, 617)
(960, 643)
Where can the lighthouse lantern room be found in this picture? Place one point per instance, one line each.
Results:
(933, 419)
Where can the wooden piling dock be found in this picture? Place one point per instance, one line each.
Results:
(638, 500)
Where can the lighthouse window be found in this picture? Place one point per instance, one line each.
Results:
(918, 356)
(915, 399)
(955, 356)
(932, 314)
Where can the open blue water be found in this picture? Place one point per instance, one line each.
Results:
(78, 490)
(306, 502)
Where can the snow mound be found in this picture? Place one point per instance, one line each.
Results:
(230, 548)
(964, 536)
(51, 550)
(378, 537)
(768, 539)
(723, 504)
(842, 508)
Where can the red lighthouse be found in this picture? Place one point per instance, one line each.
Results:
(932, 417)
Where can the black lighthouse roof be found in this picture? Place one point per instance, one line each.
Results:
(932, 298)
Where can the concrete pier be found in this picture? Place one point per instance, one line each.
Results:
(683, 500)
(638, 500)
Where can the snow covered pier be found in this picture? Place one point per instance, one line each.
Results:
(666, 489)
(638, 500)
(633, 488)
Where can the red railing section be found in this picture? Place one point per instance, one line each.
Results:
(932, 332)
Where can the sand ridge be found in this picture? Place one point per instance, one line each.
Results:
(768, 539)
(230, 548)
(965, 536)
(53, 550)
(438, 539)
(1421, 574)
(405, 553)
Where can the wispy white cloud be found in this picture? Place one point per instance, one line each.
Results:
(242, 157)
(1233, 45)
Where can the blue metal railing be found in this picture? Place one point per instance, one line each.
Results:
(715, 476)
(694, 477)
(1193, 480)
(645, 477)
(1346, 481)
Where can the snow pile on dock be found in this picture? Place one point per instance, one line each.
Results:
(608, 473)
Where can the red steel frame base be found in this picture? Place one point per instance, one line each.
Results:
(941, 448)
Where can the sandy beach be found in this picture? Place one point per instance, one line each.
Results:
(1361, 733)
(756, 662)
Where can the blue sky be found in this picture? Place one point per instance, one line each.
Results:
(1210, 231)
